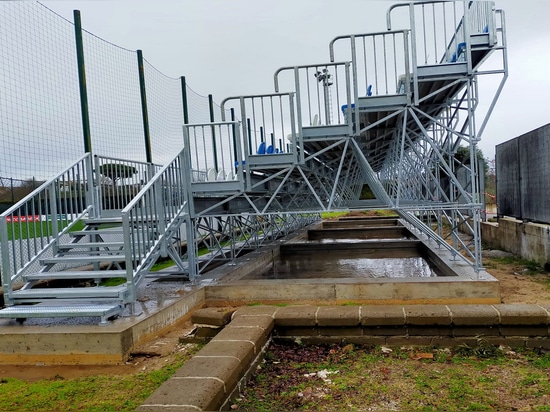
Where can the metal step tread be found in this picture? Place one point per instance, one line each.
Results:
(103, 220)
(114, 257)
(78, 274)
(88, 252)
(118, 219)
(108, 231)
(89, 245)
(42, 311)
(104, 311)
(66, 293)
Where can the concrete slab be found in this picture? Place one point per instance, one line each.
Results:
(470, 315)
(83, 342)
(341, 316)
(425, 315)
(206, 394)
(212, 316)
(522, 315)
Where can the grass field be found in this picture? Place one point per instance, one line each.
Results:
(29, 230)
(93, 393)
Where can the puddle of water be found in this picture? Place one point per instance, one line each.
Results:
(310, 267)
(353, 240)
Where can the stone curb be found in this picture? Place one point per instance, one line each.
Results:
(208, 380)
(218, 371)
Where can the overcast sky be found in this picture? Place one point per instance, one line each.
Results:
(228, 48)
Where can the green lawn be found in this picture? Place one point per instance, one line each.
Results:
(93, 393)
(29, 230)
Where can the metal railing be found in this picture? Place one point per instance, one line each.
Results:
(150, 218)
(380, 62)
(269, 122)
(214, 151)
(321, 91)
(441, 30)
(30, 229)
(482, 19)
(118, 181)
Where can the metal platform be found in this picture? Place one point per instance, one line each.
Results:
(23, 312)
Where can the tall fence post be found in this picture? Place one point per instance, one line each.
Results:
(82, 82)
(184, 100)
(12, 192)
(212, 119)
(144, 112)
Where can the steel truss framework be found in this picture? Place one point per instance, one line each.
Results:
(403, 145)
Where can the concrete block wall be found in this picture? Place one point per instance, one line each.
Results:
(443, 325)
(529, 240)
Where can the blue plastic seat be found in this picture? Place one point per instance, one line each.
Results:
(345, 107)
(261, 148)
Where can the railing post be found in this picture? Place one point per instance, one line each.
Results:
(52, 198)
(348, 113)
(128, 255)
(298, 141)
(293, 130)
(144, 113)
(82, 82)
(238, 151)
(98, 188)
(413, 52)
(158, 214)
(233, 129)
(6, 267)
(90, 185)
(185, 169)
(407, 66)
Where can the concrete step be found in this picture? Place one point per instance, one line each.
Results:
(77, 274)
(104, 311)
(91, 293)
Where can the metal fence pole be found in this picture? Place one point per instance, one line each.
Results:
(212, 119)
(184, 100)
(144, 113)
(82, 82)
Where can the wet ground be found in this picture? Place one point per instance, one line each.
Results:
(346, 265)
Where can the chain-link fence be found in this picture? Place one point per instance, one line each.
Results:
(13, 190)
(134, 111)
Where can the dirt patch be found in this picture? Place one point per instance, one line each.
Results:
(518, 282)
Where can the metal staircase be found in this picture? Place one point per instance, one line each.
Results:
(70, 261)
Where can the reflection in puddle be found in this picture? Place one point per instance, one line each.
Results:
(308, 267)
